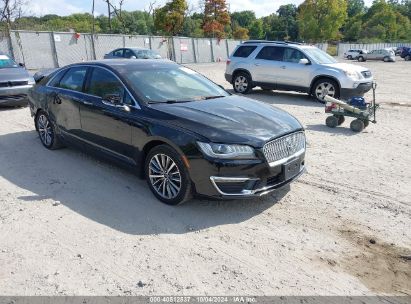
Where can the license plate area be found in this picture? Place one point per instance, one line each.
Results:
(291, 169)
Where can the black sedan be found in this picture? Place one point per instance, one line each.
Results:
(183, 133)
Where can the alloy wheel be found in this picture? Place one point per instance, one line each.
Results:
(241, 84)
(45, 130)
(164, 175)
(324, 89)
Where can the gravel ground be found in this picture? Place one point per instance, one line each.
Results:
(73, 225)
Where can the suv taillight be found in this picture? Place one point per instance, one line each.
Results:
(228, 62)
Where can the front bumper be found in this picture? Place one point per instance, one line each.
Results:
(14, 96)
(235, 179)
(360, 90)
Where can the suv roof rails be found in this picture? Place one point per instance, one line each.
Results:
(271, 41)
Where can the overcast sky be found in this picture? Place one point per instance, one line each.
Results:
(67, 7)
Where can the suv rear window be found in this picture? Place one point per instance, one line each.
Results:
(244, 51)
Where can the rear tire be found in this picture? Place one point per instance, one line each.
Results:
(341, 119)
(407, 58)
(331, 121)
(361, 59)
(357, 125)
(47, 131)
(386, 59)
(242, 83)
(167, 176)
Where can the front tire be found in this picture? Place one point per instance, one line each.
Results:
(361, 59)
(357, 125)
(386, 59)
(47, 131)
(242, 83)
(349, 57)
(323, 87)
(167, 175)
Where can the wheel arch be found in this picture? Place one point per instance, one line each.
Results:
(318, 77)
(238, 70)
(152, 143)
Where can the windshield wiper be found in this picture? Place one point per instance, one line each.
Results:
(213, 97)
(170, 101)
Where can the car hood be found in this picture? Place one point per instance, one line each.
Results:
(347, 67)
(232, 119)
(14, 74)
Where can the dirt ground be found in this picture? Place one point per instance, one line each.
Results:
(71, 224)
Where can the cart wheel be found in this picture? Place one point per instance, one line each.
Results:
(331, 121)
(340, 118)
(357, 125)
(366, 123)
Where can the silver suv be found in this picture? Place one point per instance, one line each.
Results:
(289, 66)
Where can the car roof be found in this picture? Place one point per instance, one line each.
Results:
(123, 64)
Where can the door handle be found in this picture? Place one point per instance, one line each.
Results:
(56, 99)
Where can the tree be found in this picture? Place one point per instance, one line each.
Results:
(321, 20)
(243, 18)
(355, 7)
(216, 18)
(288, 28)
(10, 10)
(169, 19)
(241, 33)
(256, 30)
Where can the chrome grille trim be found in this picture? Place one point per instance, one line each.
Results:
(282, 149)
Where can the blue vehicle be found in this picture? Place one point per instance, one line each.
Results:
(406, 53)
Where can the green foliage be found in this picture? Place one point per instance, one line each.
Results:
(216, 18)
(169, 19)
(320, 20)
(313, 20)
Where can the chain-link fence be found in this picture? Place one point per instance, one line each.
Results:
(39, 50)
(344, 47)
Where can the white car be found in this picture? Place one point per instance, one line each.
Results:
(354, 53)
(287, 66)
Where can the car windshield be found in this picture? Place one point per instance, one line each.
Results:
(147, 54)
(177, 84)
(6, 62)
(319, 56)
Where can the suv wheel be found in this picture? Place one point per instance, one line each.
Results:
(46, 131)
(323, 87)
(361, 58)
(167, 176)
(242, 83)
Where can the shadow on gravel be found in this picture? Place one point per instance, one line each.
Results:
(343, 130)
(107, 194)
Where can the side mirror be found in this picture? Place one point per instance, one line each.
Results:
(304, 61)
(115, 99)
(22, 64)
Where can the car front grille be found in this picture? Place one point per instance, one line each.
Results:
(284, 147)
(13, 84)
(366, 74)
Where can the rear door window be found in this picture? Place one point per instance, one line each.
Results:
(103, 82)
(244, 51)
(273, 53)
(118, 53)
(128, 53)
(74, 79)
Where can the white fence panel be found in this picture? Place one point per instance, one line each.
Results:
(104, 44)
(71, 49)
(219, 50)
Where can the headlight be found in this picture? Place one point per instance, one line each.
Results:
(227, 151)
(31, 81)
(353, 74)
